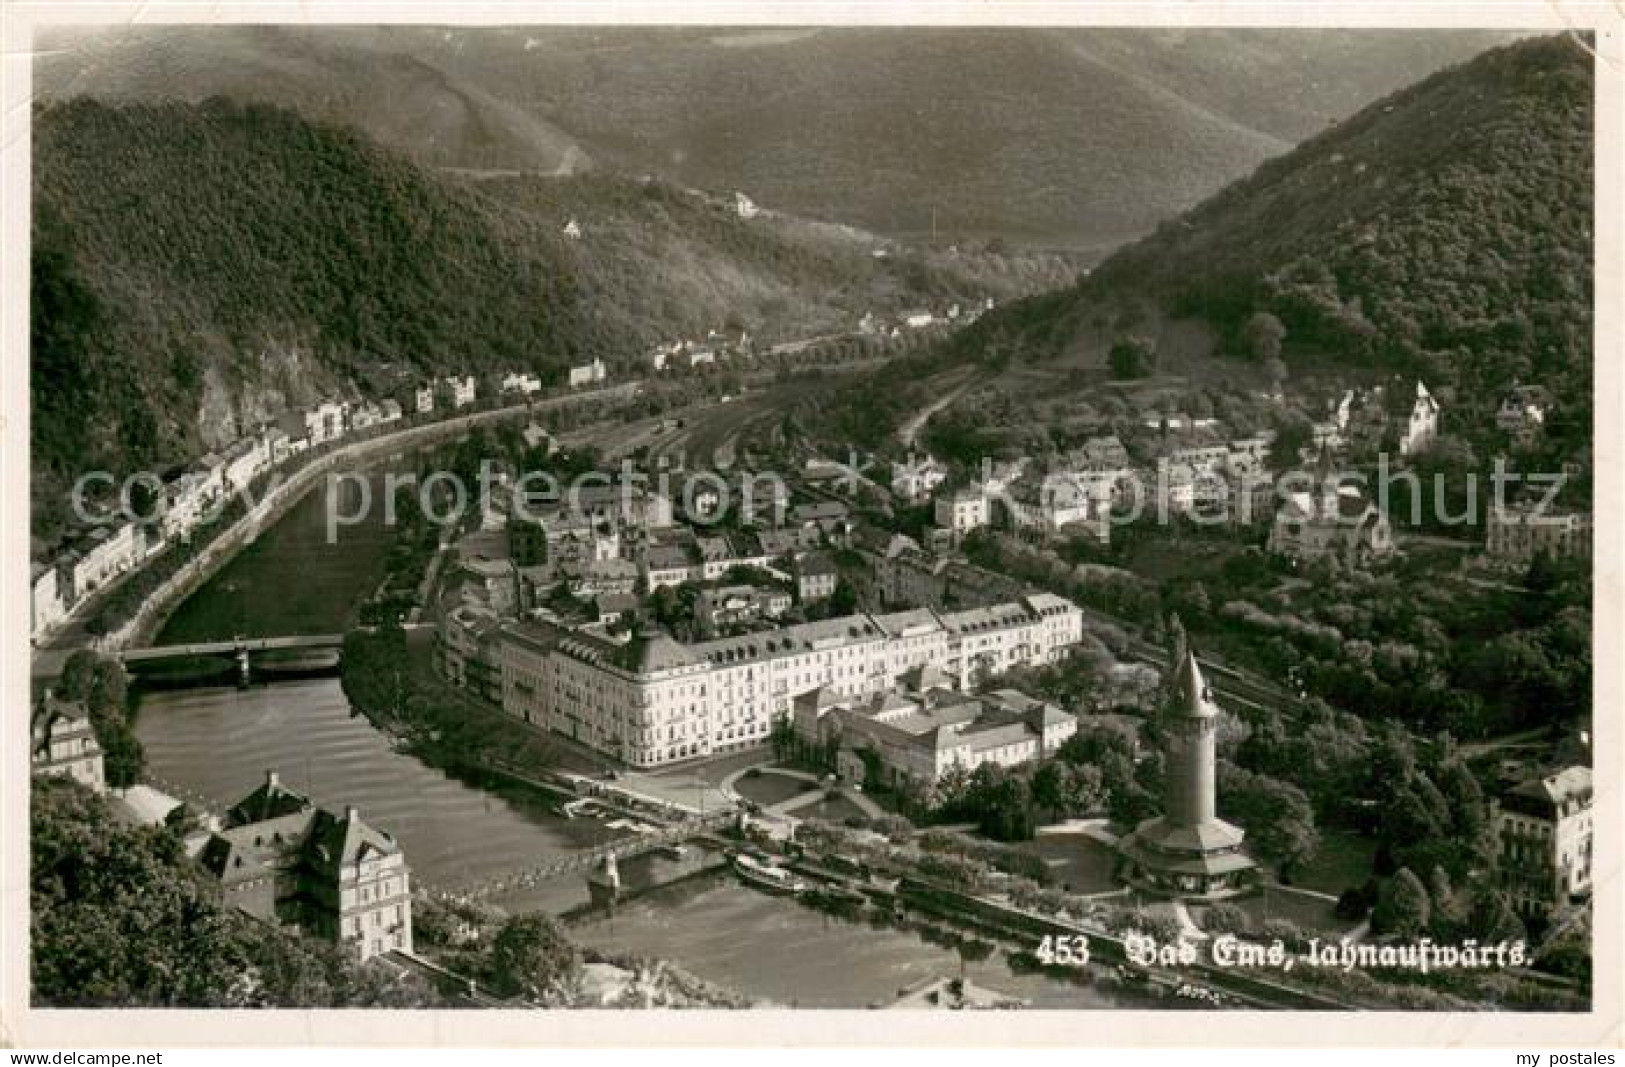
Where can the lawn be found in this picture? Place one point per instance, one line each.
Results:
(1310, 914)
(768, 788)
(837, 809)
(1078, 862)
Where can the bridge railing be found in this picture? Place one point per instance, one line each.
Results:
(624, 848)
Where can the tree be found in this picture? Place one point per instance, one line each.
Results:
(77, 674)
(1001, 802)
(1067, 790)
(1226, 918)
(1292, 436)
(1277, 816)
(103, 687)
(1493, 919)
(1542, 575)
(1353, 904)
(1403, 906)
(1468, 812)
(1132, 357)
(1450, 909)
(1263, 335)
(1275, 369)
(844, 600)
(532, 960)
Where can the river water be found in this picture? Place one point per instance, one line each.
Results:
(797, 956)
(218, 743)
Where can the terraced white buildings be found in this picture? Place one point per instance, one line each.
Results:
(651, 700)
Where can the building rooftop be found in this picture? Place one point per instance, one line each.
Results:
(271, 800)
(1569, 784)
(815, 564)
(54, 719)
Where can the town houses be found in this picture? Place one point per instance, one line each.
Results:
(327, 421)
(588, 374)
(961, 511)
(1381, 419)
(730, 606)
(895, 740)
(285, 861)
(1545, 829)
(521, 384)
(90, 557)
(459, 391)
(1517, 531)
(63, 743)
(914, 479)
(1522, 413)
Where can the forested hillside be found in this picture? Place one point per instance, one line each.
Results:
(1050, 136)
(200, 267)
(1445, 231)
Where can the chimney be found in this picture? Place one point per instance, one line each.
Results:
(271, 780)
(350, 813)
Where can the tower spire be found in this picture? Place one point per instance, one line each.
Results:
(1326, 488)
(1192, 697)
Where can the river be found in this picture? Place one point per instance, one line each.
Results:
(291, 580)
(219, 742)
(797, 956)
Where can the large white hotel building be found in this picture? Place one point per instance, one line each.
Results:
(651, 700)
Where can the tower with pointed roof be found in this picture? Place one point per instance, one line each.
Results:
(1326, 487)
(1188, 851)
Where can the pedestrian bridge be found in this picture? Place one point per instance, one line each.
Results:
(587, 859)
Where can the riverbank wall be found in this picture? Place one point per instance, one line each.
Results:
(271, 508)
(283, 495)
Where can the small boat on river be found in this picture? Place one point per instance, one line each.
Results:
(768, 877)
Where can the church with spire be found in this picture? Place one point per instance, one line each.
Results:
(1188, 852)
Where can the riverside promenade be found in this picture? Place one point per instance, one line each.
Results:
(278, 497)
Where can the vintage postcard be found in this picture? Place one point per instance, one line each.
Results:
(1088, 511)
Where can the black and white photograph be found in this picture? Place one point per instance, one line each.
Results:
(1058, 519)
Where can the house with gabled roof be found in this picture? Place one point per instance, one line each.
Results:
(64, 745)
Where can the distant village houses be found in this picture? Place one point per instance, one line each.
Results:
(460, 391)
(1522, 414)
(521, 384)
(588, 374)
(915, 479)
(1518, 531)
